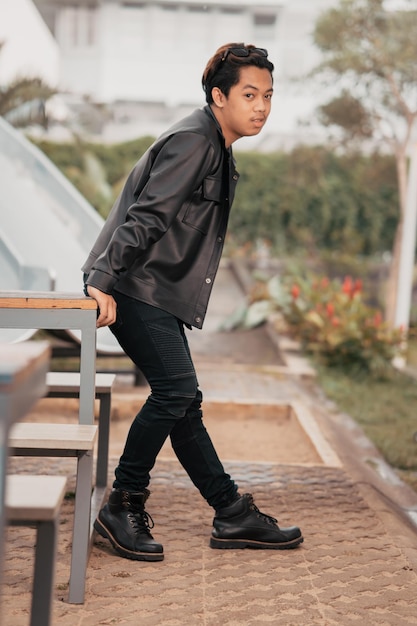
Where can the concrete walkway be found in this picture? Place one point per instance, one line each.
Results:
(359, 558)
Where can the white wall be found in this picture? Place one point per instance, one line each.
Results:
(294, 100)
(144, 53)
(155, 54)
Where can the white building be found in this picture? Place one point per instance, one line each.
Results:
(144, 59)
(141, 51)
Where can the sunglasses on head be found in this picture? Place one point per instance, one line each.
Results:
(244, 52)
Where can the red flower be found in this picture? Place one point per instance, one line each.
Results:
(347, 286)
(357, 288)
(330, 309)
(295, 291)
(350, 287)
(377, 319)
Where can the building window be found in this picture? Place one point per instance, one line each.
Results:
(264, 25)
(197, 8)
(91, 26)
(231, 10)
(261, 19)
(81, 26)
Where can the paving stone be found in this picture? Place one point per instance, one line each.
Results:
(348, 571)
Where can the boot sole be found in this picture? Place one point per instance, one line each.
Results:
(127, 554)
(240, 544)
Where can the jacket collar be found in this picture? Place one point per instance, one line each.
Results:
(208, 110)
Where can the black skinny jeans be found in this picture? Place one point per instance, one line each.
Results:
(155, 341)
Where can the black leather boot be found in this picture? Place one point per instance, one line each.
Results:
(126, 524)
(242, 525)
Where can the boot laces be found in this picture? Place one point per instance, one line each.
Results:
(140, 521)
(267, 518)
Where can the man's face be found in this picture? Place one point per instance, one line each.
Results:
(248, 105)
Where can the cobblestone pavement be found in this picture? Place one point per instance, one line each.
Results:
(349, 570)
(356, 565)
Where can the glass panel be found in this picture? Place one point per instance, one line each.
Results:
(47, 227)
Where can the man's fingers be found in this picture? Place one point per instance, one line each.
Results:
(106, 317)
(106, 306)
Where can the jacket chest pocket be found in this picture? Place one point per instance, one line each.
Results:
(199, 212)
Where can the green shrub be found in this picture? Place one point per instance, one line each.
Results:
(307, 200)
(97, 171)
(329, 317)
(313, 199)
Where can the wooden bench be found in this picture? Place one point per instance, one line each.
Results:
(67, 385)
(58, 310)
(23, 370)
(74, 311)
(66, 440)
(37, 500)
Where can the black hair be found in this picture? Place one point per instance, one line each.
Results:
(223, 69)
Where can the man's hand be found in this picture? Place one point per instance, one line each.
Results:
(106, 305)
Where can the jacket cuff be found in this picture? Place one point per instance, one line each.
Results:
(101, 280)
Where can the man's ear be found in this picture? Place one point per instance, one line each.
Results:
(218, 97)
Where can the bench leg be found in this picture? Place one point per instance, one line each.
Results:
(44, 574)
(3, 472)
(87, 373)
(103, 440)
(81, 531)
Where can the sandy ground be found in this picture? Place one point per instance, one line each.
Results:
(240, 431)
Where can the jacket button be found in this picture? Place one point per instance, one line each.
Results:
(219, 239)
(208, 280)
(198, 320)
(235, 177)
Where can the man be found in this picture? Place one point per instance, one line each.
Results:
(151, 271)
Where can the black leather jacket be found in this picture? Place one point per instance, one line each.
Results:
(164, 237)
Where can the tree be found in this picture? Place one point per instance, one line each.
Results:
(23, 100)
(370, 54)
